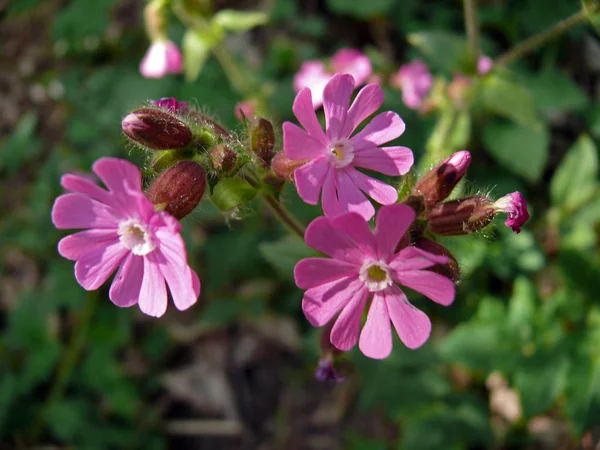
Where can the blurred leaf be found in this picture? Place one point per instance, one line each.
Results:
(524, 150)
(446, 50)
(196, 50)
(355, 441)
(239, 21)
(221, 312)
(581, 270)
(361, 10)
(551, 91)
(581, 380)
(592, 11)
(22, 6)
(592, 116)
(8, 389)
(81, 19)
(508, 99)
(522, 308)
(230, 193)
(285, 253)
(575, 180)
(65, 417)
(21, 145)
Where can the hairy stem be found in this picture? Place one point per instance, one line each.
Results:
(472, 28)
(284, 215)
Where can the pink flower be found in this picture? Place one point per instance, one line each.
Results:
(364, 265)
(354, 62)
(171, 104)
(333, 155)
(484, 64)
(245, 109)
(515, 206)
(163, 57)
(312, 75)
(122, 229)
(415, 80)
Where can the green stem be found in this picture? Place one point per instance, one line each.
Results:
(236, 76)
(534, 42)
(284, 215)
(470, 12)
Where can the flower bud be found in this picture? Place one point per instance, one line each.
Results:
(450, 269)
(262, 140)
(515, 206)
(326, 371)
(284, 167)
(171, 104)
(156, 129)
(203, 119)
(462, 216)
(438, 183)
(179, 189)
(223, 159)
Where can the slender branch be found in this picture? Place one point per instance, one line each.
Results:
(284, 215)
(534, 42)
(237, 78)
(472, 28)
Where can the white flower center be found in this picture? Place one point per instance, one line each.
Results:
(136, 236)
(376, 275)
(341, 153)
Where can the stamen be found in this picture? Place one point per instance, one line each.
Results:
(136, 236)
(342, 153)
(376, 275)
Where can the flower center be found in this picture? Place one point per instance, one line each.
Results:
(341, 153)
(376, 275)
(136, 236)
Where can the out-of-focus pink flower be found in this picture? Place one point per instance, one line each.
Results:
(326, 371)
(515, 206)
(352, 61)
(415, 80)
(171, 104)
(334, 156)
(245, 109)
(122, 230)
(484, 64)
(312, 75)
(363, 265)
(162, 58)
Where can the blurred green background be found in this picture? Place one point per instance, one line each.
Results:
(513, 364)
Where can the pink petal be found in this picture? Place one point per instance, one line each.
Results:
(94, 268)
(367, 102)
(312, 272)
(357, 228)
(326, 238)
(76, 245)
(329, 197)
(195, 282)
(378, 190)
(115, 172)
(80, 211)
(376, 336)
(305, 113)
(153, 293)
(392, 223)
(412, 325)
(309, 179)
(413, 258)
(82, 185)
(437, 287)
(384, 127)
(336, 100)
(321, 303)
(351, 199)
(125, 288)
(392, 161)
(346, 329)
(298, 144)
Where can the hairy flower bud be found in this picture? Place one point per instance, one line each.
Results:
(462, 216)
(450, 269)
(156, 129)
(223, 159)
(437, 184)
(262, 140)
(203, 119)
(284, 167)
(179, 189)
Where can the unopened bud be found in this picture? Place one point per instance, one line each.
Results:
(450, 269)
(284, 167)
(171, 104)
(262, 140)
(458, 88)
(515, 206)
(437, 184)
(203, 119)
(462, 216)
(156, 129)
(179, 189)
(223, 159)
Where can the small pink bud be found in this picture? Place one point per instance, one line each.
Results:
(223, 159)
(515, 206)
(451, 268)
(437, 184)
(179, 188)
(484, 64)
(245, 110)
(284, 167)
(156, 129)
(162, 58)
(458, 87)
(462, 216)
(262, 140)
(171, 104)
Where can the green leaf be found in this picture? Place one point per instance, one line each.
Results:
(239, 21)
(21, 145)
(447, 51)
(196, 50)
(508, 99)
(285, 253)
(575, 180)
(230, 193)
(552, 91)
(361, 10)
(584, 373)
(524, 150)
(592, 11)
(521, 308)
